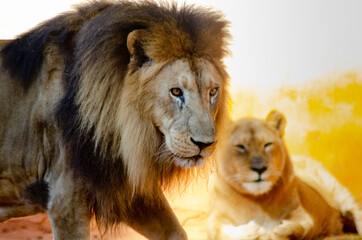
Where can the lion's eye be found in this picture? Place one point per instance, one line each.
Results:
(240, 148)
(268, 145)
(177, 92)
(214, 91)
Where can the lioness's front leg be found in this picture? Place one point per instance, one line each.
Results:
(250, 231)
(297, 226)
(67, 210)
(157, 221)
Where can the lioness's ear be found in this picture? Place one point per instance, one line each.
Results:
(278, 121)
(135, 41)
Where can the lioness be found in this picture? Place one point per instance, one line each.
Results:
(101, 108)
(256, 195)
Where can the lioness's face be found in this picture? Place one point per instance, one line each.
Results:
(253, 160)
(187, 108)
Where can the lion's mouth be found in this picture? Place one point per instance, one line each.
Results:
(193, 158)
(187, 162)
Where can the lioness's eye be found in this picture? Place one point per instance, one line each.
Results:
(214, 91)
(267, 145)
(240, 148)
(177, 92)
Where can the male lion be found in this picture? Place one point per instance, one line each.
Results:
(104, 106)
(256, 195)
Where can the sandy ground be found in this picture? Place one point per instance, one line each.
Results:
(190, 208)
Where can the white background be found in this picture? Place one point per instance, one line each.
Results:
(276, 42)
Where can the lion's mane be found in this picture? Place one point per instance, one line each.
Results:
(116, 161)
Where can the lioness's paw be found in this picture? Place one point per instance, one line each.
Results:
(287, 229)
(247, 231)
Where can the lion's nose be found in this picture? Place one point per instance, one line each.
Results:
(201, 145)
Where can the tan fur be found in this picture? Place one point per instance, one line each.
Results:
(281, 205)
(96, 131)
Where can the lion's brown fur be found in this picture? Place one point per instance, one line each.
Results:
(103, 102)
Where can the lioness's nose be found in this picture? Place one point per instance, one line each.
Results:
(201, 145)
(258, 165)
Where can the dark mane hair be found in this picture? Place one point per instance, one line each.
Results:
(23, 56)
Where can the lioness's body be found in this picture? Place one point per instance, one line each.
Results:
(275, 203)
(102, 106)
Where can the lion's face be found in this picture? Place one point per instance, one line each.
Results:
(187, 103)
(254, 158)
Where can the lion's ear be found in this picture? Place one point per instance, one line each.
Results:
(132, 38)
(278, 121)
(135, 42)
